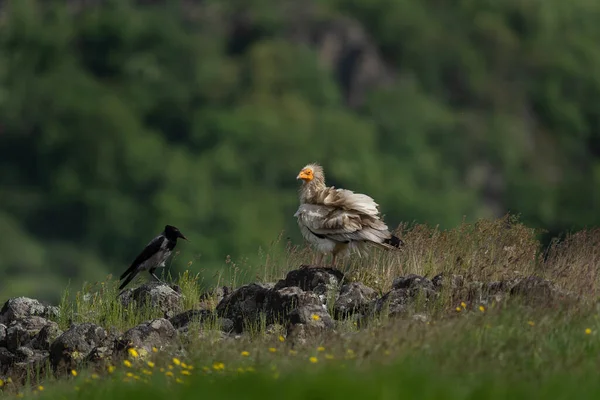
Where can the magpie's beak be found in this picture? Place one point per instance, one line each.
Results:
(183, 237)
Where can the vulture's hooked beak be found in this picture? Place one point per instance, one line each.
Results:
(305, 175)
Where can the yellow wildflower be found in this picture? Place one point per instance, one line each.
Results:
(1, 383)
(245, 354)
(463, 304)
(111, 369)
(281, 338)
(150, 364)
(178, 380)
(169, 373)
(272, 349)
(95, 376)
(458, 309)
(313, 360)
(350, 353)
(588, 331)
(190, 367)
(185, 372)
(315, 317)
(133, 352)
(293, 352)
(176, 361)
(481, 308)
(40, 388)
(218, 366)
(320, 348)
(329, 356)
(162, 370)
(170, 366)
(531, 323)
(73, 372)
(154, 350)
(240, 370)
(146, 371)
(183, 365)
(129, 374)
(127, 363)
(250, 369)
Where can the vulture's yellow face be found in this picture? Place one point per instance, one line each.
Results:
(307, 174)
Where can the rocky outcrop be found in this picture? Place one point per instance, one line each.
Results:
(20, 307)
(156, 333)
(154, 294)
(297, 306)
(73, 346)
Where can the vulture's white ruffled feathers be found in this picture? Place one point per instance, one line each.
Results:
(338, 220)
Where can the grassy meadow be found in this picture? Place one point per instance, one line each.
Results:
(452, 348)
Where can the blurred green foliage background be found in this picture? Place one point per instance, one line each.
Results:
(118, 117)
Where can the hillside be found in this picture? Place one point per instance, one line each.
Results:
(473, 312)
(118, 117)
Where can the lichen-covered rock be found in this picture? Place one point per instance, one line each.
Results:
(7, 359)
(21, 307)
(30, 363)
(20, 332)
(182, 321)
(412, 281)
(70, 348)
(244, 305)
(156, 333)
(48, 334)
(313, 279)
(251, 304)
(308, 322)
(156, 295)
(353, 298)
(393, 303)
(2, 335)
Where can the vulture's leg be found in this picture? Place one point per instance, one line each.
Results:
(319, 259)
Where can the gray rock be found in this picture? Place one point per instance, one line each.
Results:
(353, 298)
(7, 359)
(314, 279)
(156, 333)
(2, 335)
(249, 304)
(182, 321)
(36, 364)
(244, 305)
(23, 353)
(20, 332)
(154, 294)
(21, 307)
(46, 336)
(412, 281)
(70, 348)
(394, 302)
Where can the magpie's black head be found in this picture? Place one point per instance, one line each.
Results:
(172, 233)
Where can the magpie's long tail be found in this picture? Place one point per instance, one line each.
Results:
(132, 274)
(394, 241)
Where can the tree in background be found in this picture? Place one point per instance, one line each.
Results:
(117, 117)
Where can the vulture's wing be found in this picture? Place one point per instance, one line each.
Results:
(341, 225)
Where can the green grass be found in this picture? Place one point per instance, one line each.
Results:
(507, 350)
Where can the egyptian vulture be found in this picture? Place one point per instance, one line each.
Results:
(338, 221)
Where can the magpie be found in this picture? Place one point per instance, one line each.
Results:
(154, 255)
